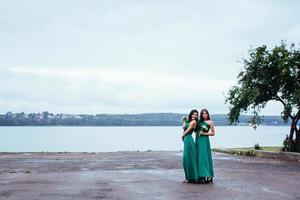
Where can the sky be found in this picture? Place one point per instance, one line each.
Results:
(133, 56)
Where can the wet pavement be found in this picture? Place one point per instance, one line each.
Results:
(141, 175)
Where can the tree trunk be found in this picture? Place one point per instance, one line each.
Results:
(297, 141)
(291, 146)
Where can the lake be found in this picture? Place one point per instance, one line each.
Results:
(107, 139)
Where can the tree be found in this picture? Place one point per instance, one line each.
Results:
(269, 75)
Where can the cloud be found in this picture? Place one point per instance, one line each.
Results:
(95, 90)
(138, 56)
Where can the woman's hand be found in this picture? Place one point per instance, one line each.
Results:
(182, 136)
(203, 133)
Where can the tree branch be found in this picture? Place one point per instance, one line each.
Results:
(284, 104)
(281, 100)
(297, 116)
(296, 121)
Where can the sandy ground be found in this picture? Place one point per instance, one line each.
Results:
(141, 175)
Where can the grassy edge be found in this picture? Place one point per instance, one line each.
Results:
(247, 151)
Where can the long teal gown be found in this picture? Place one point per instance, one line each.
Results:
(190, 157)
(204, 158)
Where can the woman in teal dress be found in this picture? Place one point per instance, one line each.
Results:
(205, 128)
(189, 159)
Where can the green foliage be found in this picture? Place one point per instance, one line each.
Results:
(267, 75)
(285, 144)
(257, 147)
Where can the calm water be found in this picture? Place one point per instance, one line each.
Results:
(102, 139)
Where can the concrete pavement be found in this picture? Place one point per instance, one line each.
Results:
(141, 175)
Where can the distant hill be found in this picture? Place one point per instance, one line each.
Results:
(146, 119)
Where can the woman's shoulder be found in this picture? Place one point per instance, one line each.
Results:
(194, 121)
(210, 122)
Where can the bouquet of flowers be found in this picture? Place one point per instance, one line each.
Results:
(203, 128)
(184, 122)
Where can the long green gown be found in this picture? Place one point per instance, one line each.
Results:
(189, 157)
(204, 159)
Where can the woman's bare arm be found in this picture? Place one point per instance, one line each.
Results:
(192, 125)
(211, 131)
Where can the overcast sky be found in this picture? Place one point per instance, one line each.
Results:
(123, 56)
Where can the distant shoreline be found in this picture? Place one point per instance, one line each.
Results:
(145, 119)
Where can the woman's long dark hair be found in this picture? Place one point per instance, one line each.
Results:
(201, 115)
(191, 113)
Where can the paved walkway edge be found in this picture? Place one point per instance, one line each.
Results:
(289, 156)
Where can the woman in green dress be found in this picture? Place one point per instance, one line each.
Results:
(205, 128)
(189, 150)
